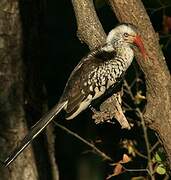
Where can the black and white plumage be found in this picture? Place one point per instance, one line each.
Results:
(91, 78)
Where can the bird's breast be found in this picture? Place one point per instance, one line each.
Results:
(106, 74)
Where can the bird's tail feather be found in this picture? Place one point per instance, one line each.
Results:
(35, 130)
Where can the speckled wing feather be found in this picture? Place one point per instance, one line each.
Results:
(77, 88)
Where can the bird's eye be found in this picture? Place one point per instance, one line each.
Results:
(126, 34)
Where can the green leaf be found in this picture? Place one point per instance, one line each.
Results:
(161, 169)
(158, 157)
(153, 160)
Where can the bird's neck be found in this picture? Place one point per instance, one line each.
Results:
(123, 51)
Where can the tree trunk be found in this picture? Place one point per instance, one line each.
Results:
(21, 100)
(158, 110)
(12, 116)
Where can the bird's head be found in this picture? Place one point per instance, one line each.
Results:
(126, 34)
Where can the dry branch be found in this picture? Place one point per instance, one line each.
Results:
(51, 151)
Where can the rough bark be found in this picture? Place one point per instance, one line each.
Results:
(158, 109)
(90, 29)
(19, 97)
(12, 116)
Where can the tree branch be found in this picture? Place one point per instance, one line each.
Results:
(95, 149)
(12, 117)
(158, 110)
(90, 29)
(51, 151)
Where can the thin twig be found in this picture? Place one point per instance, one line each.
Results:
(127, 106)
(140, 154)
(99, 152)
(154, 10)
(129, 90)
(135, 170)
(154, 146)
(150, 166)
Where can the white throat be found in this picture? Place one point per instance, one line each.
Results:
(126, 53)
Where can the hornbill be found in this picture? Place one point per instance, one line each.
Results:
(94, 75)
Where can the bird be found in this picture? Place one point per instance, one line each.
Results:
(94, 75)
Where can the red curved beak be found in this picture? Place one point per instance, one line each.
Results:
(138, 42)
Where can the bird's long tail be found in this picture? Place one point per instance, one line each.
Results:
(34, 132)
